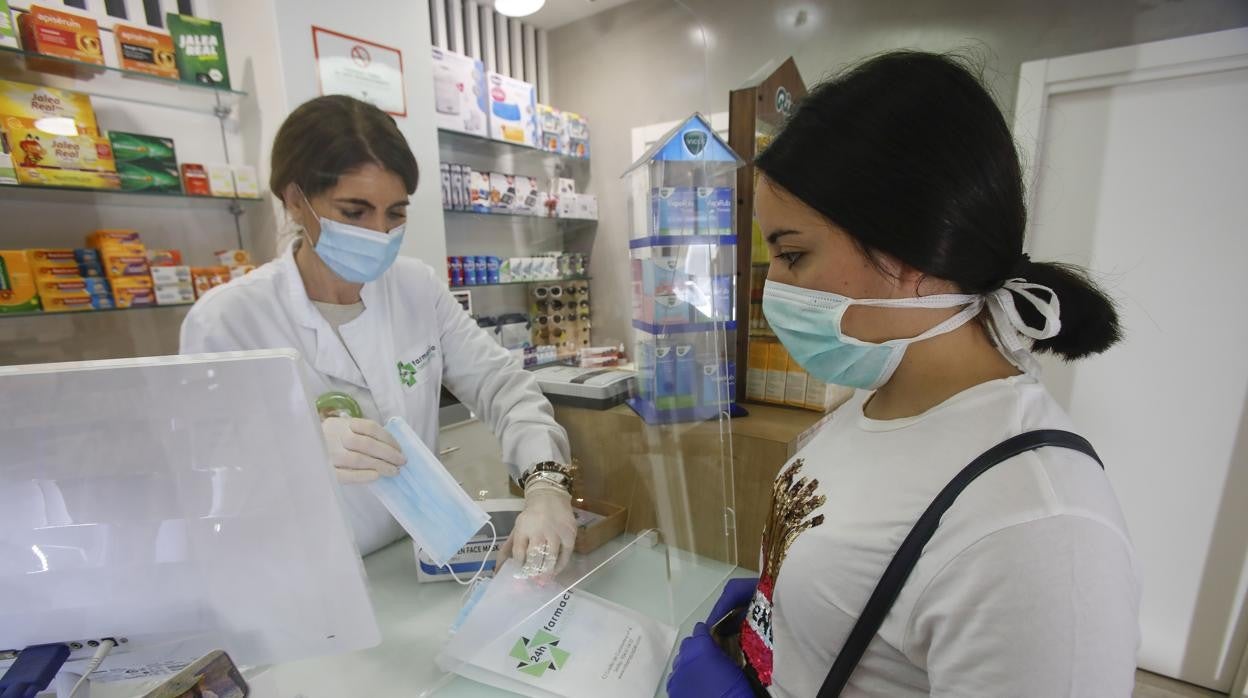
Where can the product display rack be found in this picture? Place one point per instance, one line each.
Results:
(469, 287)
(755, 114)
(94, 313)
(683, 257)
(521, 216)
(118, 197)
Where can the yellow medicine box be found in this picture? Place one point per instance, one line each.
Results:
(17, 283)
(33, 102)
(106, 236)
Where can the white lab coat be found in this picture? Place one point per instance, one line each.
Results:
(409, 318)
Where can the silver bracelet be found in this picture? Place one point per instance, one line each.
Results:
(557, 479)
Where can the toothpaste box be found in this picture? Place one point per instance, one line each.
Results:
(17, 283)
(479, 191)
(513, 110)
(672, 211)
(459, 94)
(714, 210)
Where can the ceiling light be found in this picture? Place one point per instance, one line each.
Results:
(518, 8)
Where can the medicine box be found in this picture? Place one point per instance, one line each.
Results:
(777, 373)
(553, 128)
(245, 183)
(68, 285)
(577, 128)
(145, 51)
(164, 258)
(221, 180)
(459, 95)
(61, 34)
(665, 376)
(38, 102)
(445, 171)
(795, 385)
(687, 376)
(70, 302)
(513, 110)
(120, 265)
(672, 211)
(199, 46)
(45, 158)
(756, 371)
(17, 283)
(714, 210)
(104, 236)
(166, 276)
(480, 548)
(175, 295)
(502, 192)
(479, 191)
(526, 195)
(134, 297)
(195, 180)
(455, 187)
(232, 258)
(8, 32)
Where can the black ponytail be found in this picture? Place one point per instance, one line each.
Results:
(909, 155)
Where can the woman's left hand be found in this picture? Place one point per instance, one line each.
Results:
(702, 670)
(545, 532)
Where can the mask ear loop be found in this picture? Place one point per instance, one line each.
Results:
(484, 562)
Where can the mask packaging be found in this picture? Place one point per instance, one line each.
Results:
(426, 501)
(479, 549)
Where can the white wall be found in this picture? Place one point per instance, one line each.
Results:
(270, 44)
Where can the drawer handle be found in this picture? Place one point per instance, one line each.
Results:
(447, 451)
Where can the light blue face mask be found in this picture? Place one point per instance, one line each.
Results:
(428, 503)
(808, 323)
(356, 254)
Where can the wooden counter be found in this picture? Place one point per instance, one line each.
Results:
(670, 477)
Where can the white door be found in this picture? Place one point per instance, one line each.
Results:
(1140, 172)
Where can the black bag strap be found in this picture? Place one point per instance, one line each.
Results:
(907, 555)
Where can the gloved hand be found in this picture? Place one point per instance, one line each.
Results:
(737, 593)
(360, 449)
(545, 532)
(702, 670)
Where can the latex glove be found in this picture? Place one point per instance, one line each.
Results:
(360, 449)
(545, 532)
(702, 670)
(737, 593)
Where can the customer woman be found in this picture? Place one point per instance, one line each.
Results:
(892, 205)
(380, 327)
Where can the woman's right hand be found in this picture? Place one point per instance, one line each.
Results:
(360, 449)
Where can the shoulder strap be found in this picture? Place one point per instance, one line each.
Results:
(898, 570)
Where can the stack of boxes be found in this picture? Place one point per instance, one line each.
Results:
(774, 377)
(124, 257)
(231, 264)
(70, 279)
(171, 279)
(465, 189)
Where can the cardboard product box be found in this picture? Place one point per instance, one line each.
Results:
(246, 184)
(238, 272)
(56, 255)
(146, 51)
(106, 236)
(132, 283)
(221, 181)
(526, 195)
(795, 385)
(205, 279)
(480, 549)
(777, 373)
(175, 295)
(445, 171)
(553, 128)
(687, 377)
(33, 102)
(146, 163)
(513, 110)
(577, 128)
(502, 192)
(44, 158)
(459, 94)
(53, 270)
(542, 205)
(165, 258)
(714, 210)
(8, 32)
(72, 302)
(458, 202)
(665, 376)
(672, 211)
(586, 207)
(171, 276)
(756, 371)
(232, 258)
(93, 286)
(61, 34)
(134, 297)
(122, 265)
(199, 46)
(479, 191)
(17, 283)
(195, 180)
(597, 523)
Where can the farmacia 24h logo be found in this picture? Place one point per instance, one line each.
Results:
(539, 654)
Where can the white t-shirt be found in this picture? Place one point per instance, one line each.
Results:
(1027, 588)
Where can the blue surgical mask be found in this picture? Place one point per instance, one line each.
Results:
(426, 501)
(808, 323)
(356, 254)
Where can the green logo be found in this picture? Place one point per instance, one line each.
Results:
(407, 373)
(695, 141)
(539, 655)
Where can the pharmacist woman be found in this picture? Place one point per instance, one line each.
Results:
(892, 205)
(382, 328)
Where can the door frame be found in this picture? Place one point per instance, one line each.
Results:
(1040, 80)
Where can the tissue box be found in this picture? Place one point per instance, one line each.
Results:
(459, 96)
(513, 110)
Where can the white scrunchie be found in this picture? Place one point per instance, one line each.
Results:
(1008, 328)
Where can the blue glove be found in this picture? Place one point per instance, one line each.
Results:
(702, 670)
(737, 593)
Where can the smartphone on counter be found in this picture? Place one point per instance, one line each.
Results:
(211, 676)
(727, 634)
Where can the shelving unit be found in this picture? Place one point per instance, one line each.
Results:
(116, 197)
(469, 287)
(521, 216)
(80, 313)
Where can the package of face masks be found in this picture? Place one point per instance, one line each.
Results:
(426, 501)
(479, 549)
(537, 641)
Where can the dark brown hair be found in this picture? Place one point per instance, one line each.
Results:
(327, 137)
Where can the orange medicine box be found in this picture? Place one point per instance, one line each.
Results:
(70, 285)
(205, 278)
(121, 265)
(134, 297)
(145, 51)
(70, 302)
(106, 236)
(17, 284)
(777, 372)
(195, 180)
(61, 34)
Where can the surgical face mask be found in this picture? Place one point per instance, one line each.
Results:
(428, 503)
(356, 254)
(808, 323)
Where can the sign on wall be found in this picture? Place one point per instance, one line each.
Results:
(370, 72)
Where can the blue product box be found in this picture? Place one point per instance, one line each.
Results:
(714, 211)
(665, 377)
(470, 271)
(87, 255)
(672, 211)
(645, 370)
(483, 270)
(721, 297)
(91, 269)
(492, 265)
(99, 302)
(669, 309)
(97, 286)
(686, 376)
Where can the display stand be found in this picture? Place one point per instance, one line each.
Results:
(684, 265)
